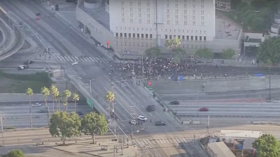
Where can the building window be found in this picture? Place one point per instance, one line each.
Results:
(176, 22)
(120, 34)
(151, 36)
(183, 37)
(166, 36)
(138, 36)
(139, 15)
(125, 35)
(133, 35)
(129, 35)
(170, 36)
(117, 34)
(195, 38)
(204, 38)
(147, 36)
(188, 38)
(176, 11)
(179, 37)
(200, 38)
(191, 37)
(142, 35)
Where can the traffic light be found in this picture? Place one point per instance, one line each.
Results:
(149, 83)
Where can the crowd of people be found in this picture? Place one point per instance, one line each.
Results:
(159, 67)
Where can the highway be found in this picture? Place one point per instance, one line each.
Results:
(18, 116)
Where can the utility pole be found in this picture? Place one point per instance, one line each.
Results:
(2, 130)
(269, 84)
(90, 85)
(30, 111)
(208, 124)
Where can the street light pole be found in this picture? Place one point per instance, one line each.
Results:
(2, 130)
(269, 84)
(90, 85)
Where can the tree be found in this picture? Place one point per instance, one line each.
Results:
(46, 92)
(205, 53)
(268, 51)
(228, 54)
(66, 95)
(29, 92)
(54, 92)
(267, 146)
(75, 99)
(173, 43)
(94, 124)
(152, 52)
(110, 97)
(65, 125)
(15, 153)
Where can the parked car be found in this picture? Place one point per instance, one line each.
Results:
(36, 105)
(204, 109)
(142, 118)
(174, 103)
(150, 108)
(160, 123)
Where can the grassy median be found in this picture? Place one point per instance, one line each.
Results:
(18, 83)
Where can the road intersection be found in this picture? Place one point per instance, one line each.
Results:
(130, 99)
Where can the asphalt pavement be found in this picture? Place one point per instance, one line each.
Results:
(18, 115)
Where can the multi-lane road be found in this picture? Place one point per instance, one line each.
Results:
(18, 115)
(130, 99)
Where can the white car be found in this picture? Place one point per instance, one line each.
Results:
(142, 118)
(74, 63)
(36, 105)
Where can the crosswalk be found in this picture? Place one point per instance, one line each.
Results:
(68, 58)
(150, 142)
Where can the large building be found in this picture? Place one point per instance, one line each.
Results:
(132, 26)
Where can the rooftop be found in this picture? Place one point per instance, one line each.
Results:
(220, 149)
(226, 29)
(99, 14)
(240, 133)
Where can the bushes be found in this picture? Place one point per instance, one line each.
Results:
(15, 153)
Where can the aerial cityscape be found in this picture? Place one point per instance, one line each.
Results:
(139, 78)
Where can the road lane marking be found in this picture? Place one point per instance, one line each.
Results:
(128, 99)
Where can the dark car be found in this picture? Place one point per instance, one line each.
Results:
(80, 113)
(42, 111)
(28, 62)
(174, 103)
(150, 108)
(203, 109)
(160, 123)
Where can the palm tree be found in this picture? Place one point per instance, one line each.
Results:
(46, 92)
(75, 99)
(29, 92)
(66, 95)
(54, 92)
(110, 97)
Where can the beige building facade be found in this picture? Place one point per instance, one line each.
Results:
(132, 26)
